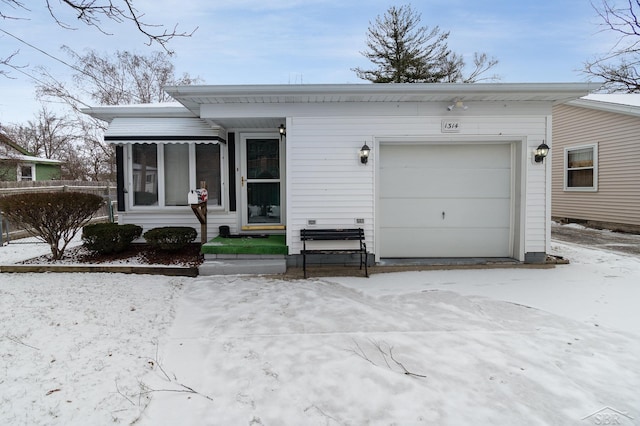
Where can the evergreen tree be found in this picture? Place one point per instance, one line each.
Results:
(405, 52)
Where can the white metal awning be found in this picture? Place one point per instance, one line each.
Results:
(163, 130)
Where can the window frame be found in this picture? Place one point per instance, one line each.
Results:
(32, 176)
(594, 167)
(161, 177)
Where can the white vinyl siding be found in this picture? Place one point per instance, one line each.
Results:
(180, 217)
(617, 199)
(327, 183)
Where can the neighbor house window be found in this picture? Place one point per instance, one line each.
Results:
(184, 167)
(581, 168)
(25, 172)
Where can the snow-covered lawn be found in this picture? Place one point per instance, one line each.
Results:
(503, 346)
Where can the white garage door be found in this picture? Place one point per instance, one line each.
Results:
(445, 200)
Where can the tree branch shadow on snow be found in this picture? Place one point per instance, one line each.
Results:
(146, 390)
(385, 352)
(16, 340)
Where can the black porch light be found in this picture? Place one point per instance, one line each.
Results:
(541, 152)
(282, 130)
(364, 153)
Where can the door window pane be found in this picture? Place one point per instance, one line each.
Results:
(145, 174)
(263, 202)
(176, 174)
(208, 170)
(263, 159)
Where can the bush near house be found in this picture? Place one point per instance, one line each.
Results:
(53, 217)
(170, 238)
(106, 238)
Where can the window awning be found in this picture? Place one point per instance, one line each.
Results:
(163, 130)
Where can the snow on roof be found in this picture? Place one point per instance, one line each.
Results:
(32, 159)
(620, 103)
(631, 99)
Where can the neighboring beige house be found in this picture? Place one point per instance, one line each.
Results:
(596, 161)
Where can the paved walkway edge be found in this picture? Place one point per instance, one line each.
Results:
(177, 271)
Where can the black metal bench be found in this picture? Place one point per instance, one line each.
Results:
(350, 234)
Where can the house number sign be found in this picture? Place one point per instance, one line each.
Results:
(450, 126)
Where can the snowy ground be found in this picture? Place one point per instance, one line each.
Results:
(508, 346)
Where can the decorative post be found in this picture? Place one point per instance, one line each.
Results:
(198, 202)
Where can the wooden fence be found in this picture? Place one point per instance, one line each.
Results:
(107, 190)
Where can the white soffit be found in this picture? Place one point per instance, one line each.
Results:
(193, 96)
(163, 130)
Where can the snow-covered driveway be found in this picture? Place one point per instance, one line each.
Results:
(398, 348)
(503, 346)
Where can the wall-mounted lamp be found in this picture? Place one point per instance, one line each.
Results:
(457, 104)
(541, 152)
(282, 130)
(364, 153)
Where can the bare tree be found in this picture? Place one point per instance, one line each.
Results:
(402, 51)
(47, 135)
(619, 68)
(96, 158)
(92, 13)
(117, 79)
(481, 64)
(107, 79)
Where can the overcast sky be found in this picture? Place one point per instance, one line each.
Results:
(307, 41)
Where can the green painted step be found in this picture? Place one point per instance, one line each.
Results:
(273, 244)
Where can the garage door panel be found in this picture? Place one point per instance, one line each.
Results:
(470, 183)
(445, 156)
(492, 213)
(445, 183)
(445, 242)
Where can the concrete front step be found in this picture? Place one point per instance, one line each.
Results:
(243, 266)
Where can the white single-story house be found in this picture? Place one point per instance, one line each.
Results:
(451, 169)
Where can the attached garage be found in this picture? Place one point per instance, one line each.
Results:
(446, 200)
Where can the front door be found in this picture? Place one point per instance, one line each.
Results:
(262, 182)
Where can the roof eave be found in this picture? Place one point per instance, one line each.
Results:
(606, 106)
(108, 113)
(555, 91)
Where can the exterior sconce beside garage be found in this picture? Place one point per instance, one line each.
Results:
(541, 152)
(282, 130)
(364, 153)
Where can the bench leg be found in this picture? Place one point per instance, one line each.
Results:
(366, 259)
(304, 265)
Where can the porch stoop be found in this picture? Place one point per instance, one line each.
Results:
(244, 264)
(245, 255)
